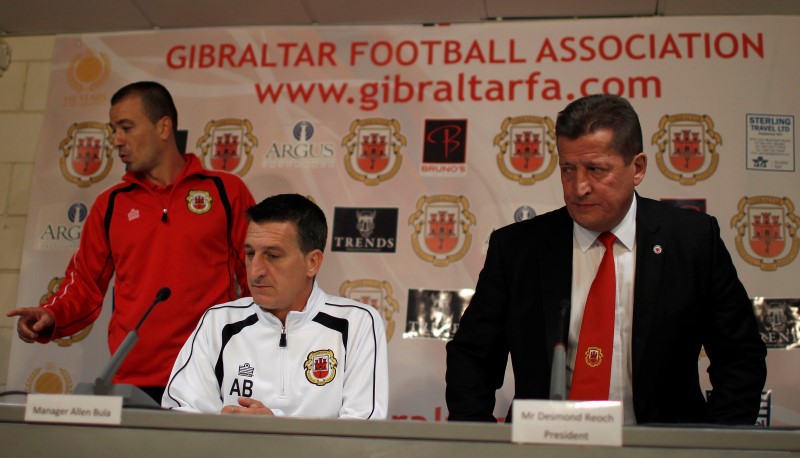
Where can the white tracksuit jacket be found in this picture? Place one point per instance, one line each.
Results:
(330, 360)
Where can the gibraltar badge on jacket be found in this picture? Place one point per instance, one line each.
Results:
(198, 201)
(320, 367)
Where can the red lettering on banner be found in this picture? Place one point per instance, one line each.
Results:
(689, 38)
(734, 45)
(725, 45)
(430, 52)
(229, 55)
(429, 44)
(584, 43)
(670, 47)
(628, 47)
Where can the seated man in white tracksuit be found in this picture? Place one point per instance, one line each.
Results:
(290, 349)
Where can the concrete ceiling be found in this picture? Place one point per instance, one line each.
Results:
(45, 17)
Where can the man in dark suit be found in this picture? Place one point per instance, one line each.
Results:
(676, 291)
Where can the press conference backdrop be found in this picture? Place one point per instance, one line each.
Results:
(418, 141)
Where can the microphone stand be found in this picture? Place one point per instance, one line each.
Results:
(102, 386)
(558, 370)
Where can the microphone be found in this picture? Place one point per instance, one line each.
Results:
(558, 371)
(102, 384)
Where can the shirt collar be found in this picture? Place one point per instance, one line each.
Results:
(625, 231)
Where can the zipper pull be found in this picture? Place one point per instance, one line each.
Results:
(282, 343)
(164, 218)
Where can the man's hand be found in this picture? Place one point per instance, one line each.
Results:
(248, 407)
(32, 321)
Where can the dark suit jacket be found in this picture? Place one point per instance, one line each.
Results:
(686, 296)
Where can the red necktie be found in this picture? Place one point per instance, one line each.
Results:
(592, 373)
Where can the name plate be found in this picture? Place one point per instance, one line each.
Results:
(567, 422)
(72, 408)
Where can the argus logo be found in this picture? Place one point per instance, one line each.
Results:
(302, 152)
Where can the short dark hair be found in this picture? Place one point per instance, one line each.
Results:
(312, 228)
(603, 111)
(156, 100)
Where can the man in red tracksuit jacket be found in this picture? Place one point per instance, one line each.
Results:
(170, 223)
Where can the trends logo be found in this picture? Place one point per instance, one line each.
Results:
(377, 294)
(227, 145)
(527, 149)
(373, 150)
(769, 226)
(444, 151)
(303, 152)
(687, 147)
(86, 153)
(364, 230)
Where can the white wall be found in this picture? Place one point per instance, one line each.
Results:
(23, 92)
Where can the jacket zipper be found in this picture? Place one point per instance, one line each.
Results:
(283, 349)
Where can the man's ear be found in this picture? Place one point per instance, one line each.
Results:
(313, 262)
(164, 127)
(639, 168)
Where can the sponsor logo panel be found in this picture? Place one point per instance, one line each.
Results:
(766, 231)
(303, 152)
(778, 321)
(444, 148)
(87, 71)
(364, 230)
(373, 150)
(435, 314)
(59, 229)
(227, 145)
(687, 147)
(527, 146)
(86, 153)
(442, 228)
(377, 294)
(49, 379)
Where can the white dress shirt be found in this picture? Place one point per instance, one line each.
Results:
(587, 252)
